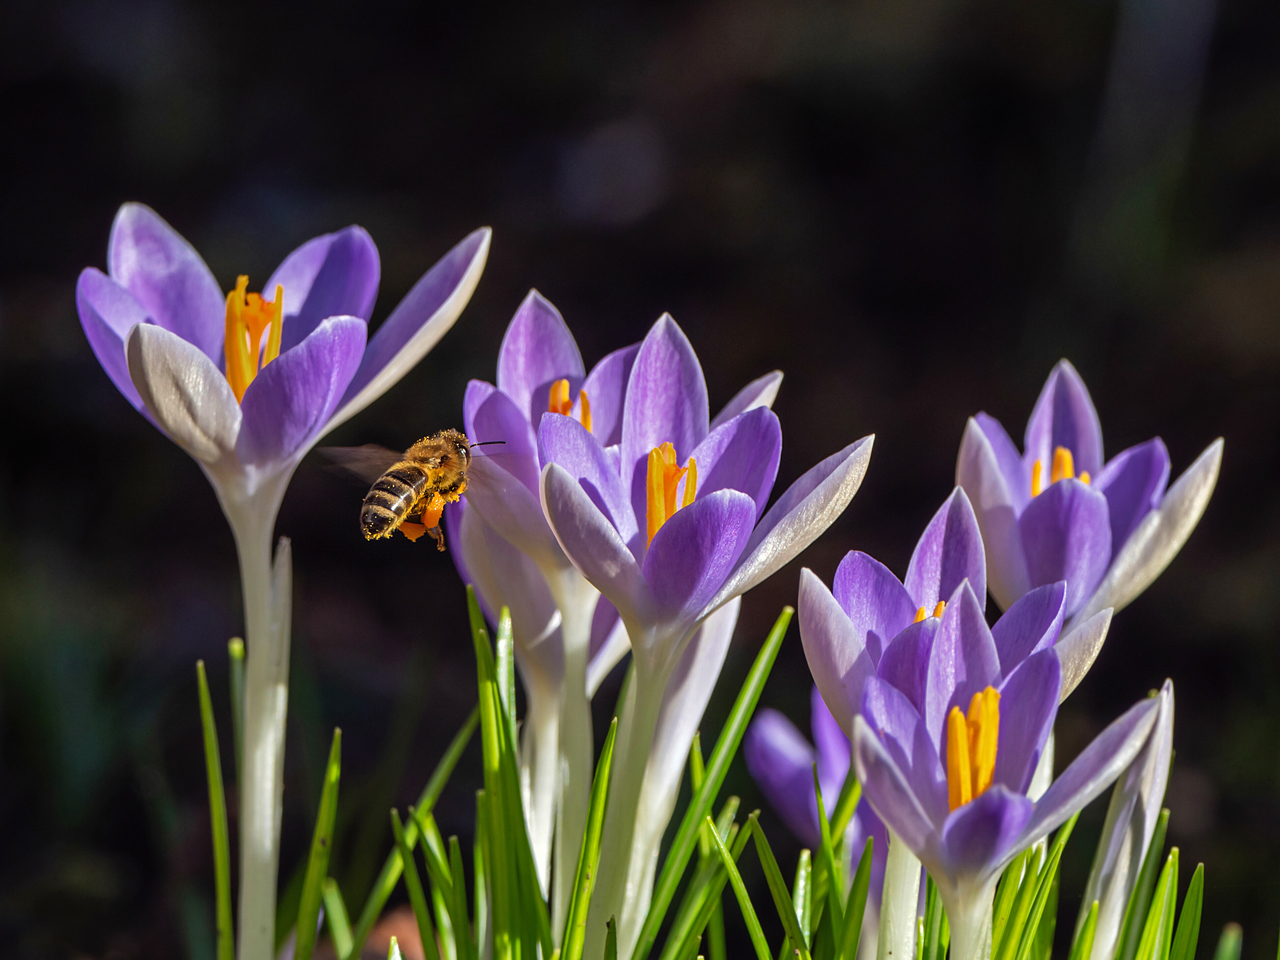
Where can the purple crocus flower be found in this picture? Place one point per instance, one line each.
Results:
(1059, 511)
(953, 787)
(247, 384)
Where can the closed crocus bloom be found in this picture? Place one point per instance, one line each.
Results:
(1059, 511)
(247, 383)
(946, 744)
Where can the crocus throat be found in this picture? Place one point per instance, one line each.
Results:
(662, 484)
(248, 317)
(937, 611)
(559, 402)
(971, 747)
(1062, 468)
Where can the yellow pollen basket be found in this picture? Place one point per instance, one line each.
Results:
(559, 402)
(248, 317)
(662, 484)
(937, 611)
(971, 747)
(1062, 468)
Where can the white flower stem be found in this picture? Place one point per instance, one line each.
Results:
(899, 904)
(541, 763)
(969, 916)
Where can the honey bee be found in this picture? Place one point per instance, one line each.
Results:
(412, 488)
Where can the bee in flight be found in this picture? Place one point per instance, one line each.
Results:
(412, 488)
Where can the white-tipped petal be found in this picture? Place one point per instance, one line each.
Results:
(186, 394)
(978, 474)
(1079, 648)
(760, 392)
(511, 508)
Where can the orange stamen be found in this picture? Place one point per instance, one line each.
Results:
(1085, 478)
(971, 747)
(937, 610)
(1064, 467)
(248, 317)
(1037, 478)
(558, 401)
(662, 482)
(920, 615)
(584, 410)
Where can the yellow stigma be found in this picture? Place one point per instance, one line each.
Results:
(971, 747)
(559, 402)
(248, 317)
(1063, 467)
(922, 612)
(662, 484)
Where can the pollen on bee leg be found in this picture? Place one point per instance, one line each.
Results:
(412, 530)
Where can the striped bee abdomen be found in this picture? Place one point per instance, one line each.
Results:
(390, 500)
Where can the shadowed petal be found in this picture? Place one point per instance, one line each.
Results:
(417, 323)
(497, 418)
(1066, 536)
(964, 660)
(979, 834)
(335, 275)
(948, 552)
(904, 736)
(1030, 625)
(692, 554)
(837, 659)
(187, 395)
(877, 604)
(1064, 416)
(167, 277)
(760, 392)
(981, 472)
(741, 454)
(509, 507)
(833, 747)
(477, 392)
(537, 350)
(886, 788)
(781, 763)
(905, 661)
(1133, 483)
(289, 403)
(1080, 647)
(108, 312)
(606, 390)
(1028, 704)
(565, 442)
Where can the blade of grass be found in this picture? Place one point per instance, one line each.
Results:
(744, 900)
(801, 894)
(1012, 937)
(1082, 949)
(726, 747)
(827, 880)
(461, 923)
(1229, 943)
(1188, 935)
(706, 884)
(235, 657)
(777, 887)
(736, 841)
(934, 918)
(584, 881)
(335, 912)
(505, 660)
(217, 820)
(1007, 890)
(697, 773)
(318, 862)
(1135, 913)
(856, 905)
(1153, 943)
(611, 940)
(480, 866)
(846, 803)
(441, 879)
(1044, 883)
(426, 932)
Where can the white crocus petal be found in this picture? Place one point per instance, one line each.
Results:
(514, 511)
(1126, 834)
(616, 646)
(800, 515)
(1043, 777)
(978, 474)
(186, 394)
(426, 337)
(1159, 537)
(760, 392)
(1079, 648)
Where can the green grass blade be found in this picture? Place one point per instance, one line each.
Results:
(1022, 904)
(846, 803)
(235, 657)
(584, 881)
(1044, 884)
(744, 900)
(413, 884)
(480, 866)
(716, 950)
(611, 940)
(335, 913)
(726, 747)
(441, 879)
(827, 880)
(318, 862)
(802, 894)
(505, 661)
(1188, 935)
(1042, 947)
(707, 884)
(931, 935)
(1152, 944)
(1229, 943)
(855, 907)
(778, 888)
(697, 773)
(736, 841)
(1082, 949)
(466, 948)
(1135, 913)
(1006, 893)
(390, 874)
(393, 950)
(217, 820)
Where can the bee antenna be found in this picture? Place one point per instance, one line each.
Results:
(488, 443)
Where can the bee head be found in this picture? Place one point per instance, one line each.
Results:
(460, 444)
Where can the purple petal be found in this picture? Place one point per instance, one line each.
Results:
(948, 552)
(565, 442)
(904, 736)
(996, 507)
(833, 648)
(888, 790)
(694, 551)
(108, 312)
(1064, 417)
(1133, 483)
(167, 277)
(463, 539)
(742, 454)
(666, 403)
(417, 323)
(290, 401)
(497, 418)
(758, 393)
(964, 660)
(1028, 704)
(606, 390)
(1030, 625)
(781, 763)
(833, 747)
(876, 603)
(513, 510)
(478, 391)
(1066, 535)
(905, 661)
(335, 275)
(977, 836)
(538, 350)
(1007, 459)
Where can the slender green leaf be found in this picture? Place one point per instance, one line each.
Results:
(726, 747)
(318, 862)
(828, 883)
(935, 921)
(217, 820)
(461, 925)
(440, 876)
(736, 842)
(1229, 943)
(1082, 949)
(744, 900)
(697, 773)
(393, 950)
(1044, 884)
(855, 907)
(1135, 913)
(611, 940)
(426, 932)
(702, 893)
(1006, 893)
(335, 913)
(717, 950)
(480, 862)
(846, 803)
(1042, 948)
(505, 661)
(778, 888)
(584, 881)
(1153, 945)
(235, 656)
(1188, 935)
(801, 894)
(1022, 904)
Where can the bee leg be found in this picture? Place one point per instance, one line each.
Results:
(438, 536)
(431, 519)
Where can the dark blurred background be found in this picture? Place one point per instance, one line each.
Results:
(913, 207)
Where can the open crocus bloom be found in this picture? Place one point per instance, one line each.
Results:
(945, 746)
(1058, 511)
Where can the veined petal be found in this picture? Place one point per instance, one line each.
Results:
(164, 273)
(1032, 624)
(948, 553)
(981, 833)
(1133, 483)
(833, 747)
(416, 324)
(1080, 647)
(1008, 460)
(837, 658)
(780, 761)
(536, 351)
(904, 736)
(1066, 536)
(760, 392)
(1064, 416)
(108, 312)
(288, 404)
(333, 275)
(567, 443)
(606, 390)
(798, 517)
(1028, 705)
(498, 418)
(694, 551)
(1159, 536)
(905, 661)
(477, 392)
(514, 511)
(187, 395)
(877, 604)
(609, 644)
(887, 789)
(982, 471)
(964, 660)
(741, 454)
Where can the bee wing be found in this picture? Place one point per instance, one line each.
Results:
(365, 463)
